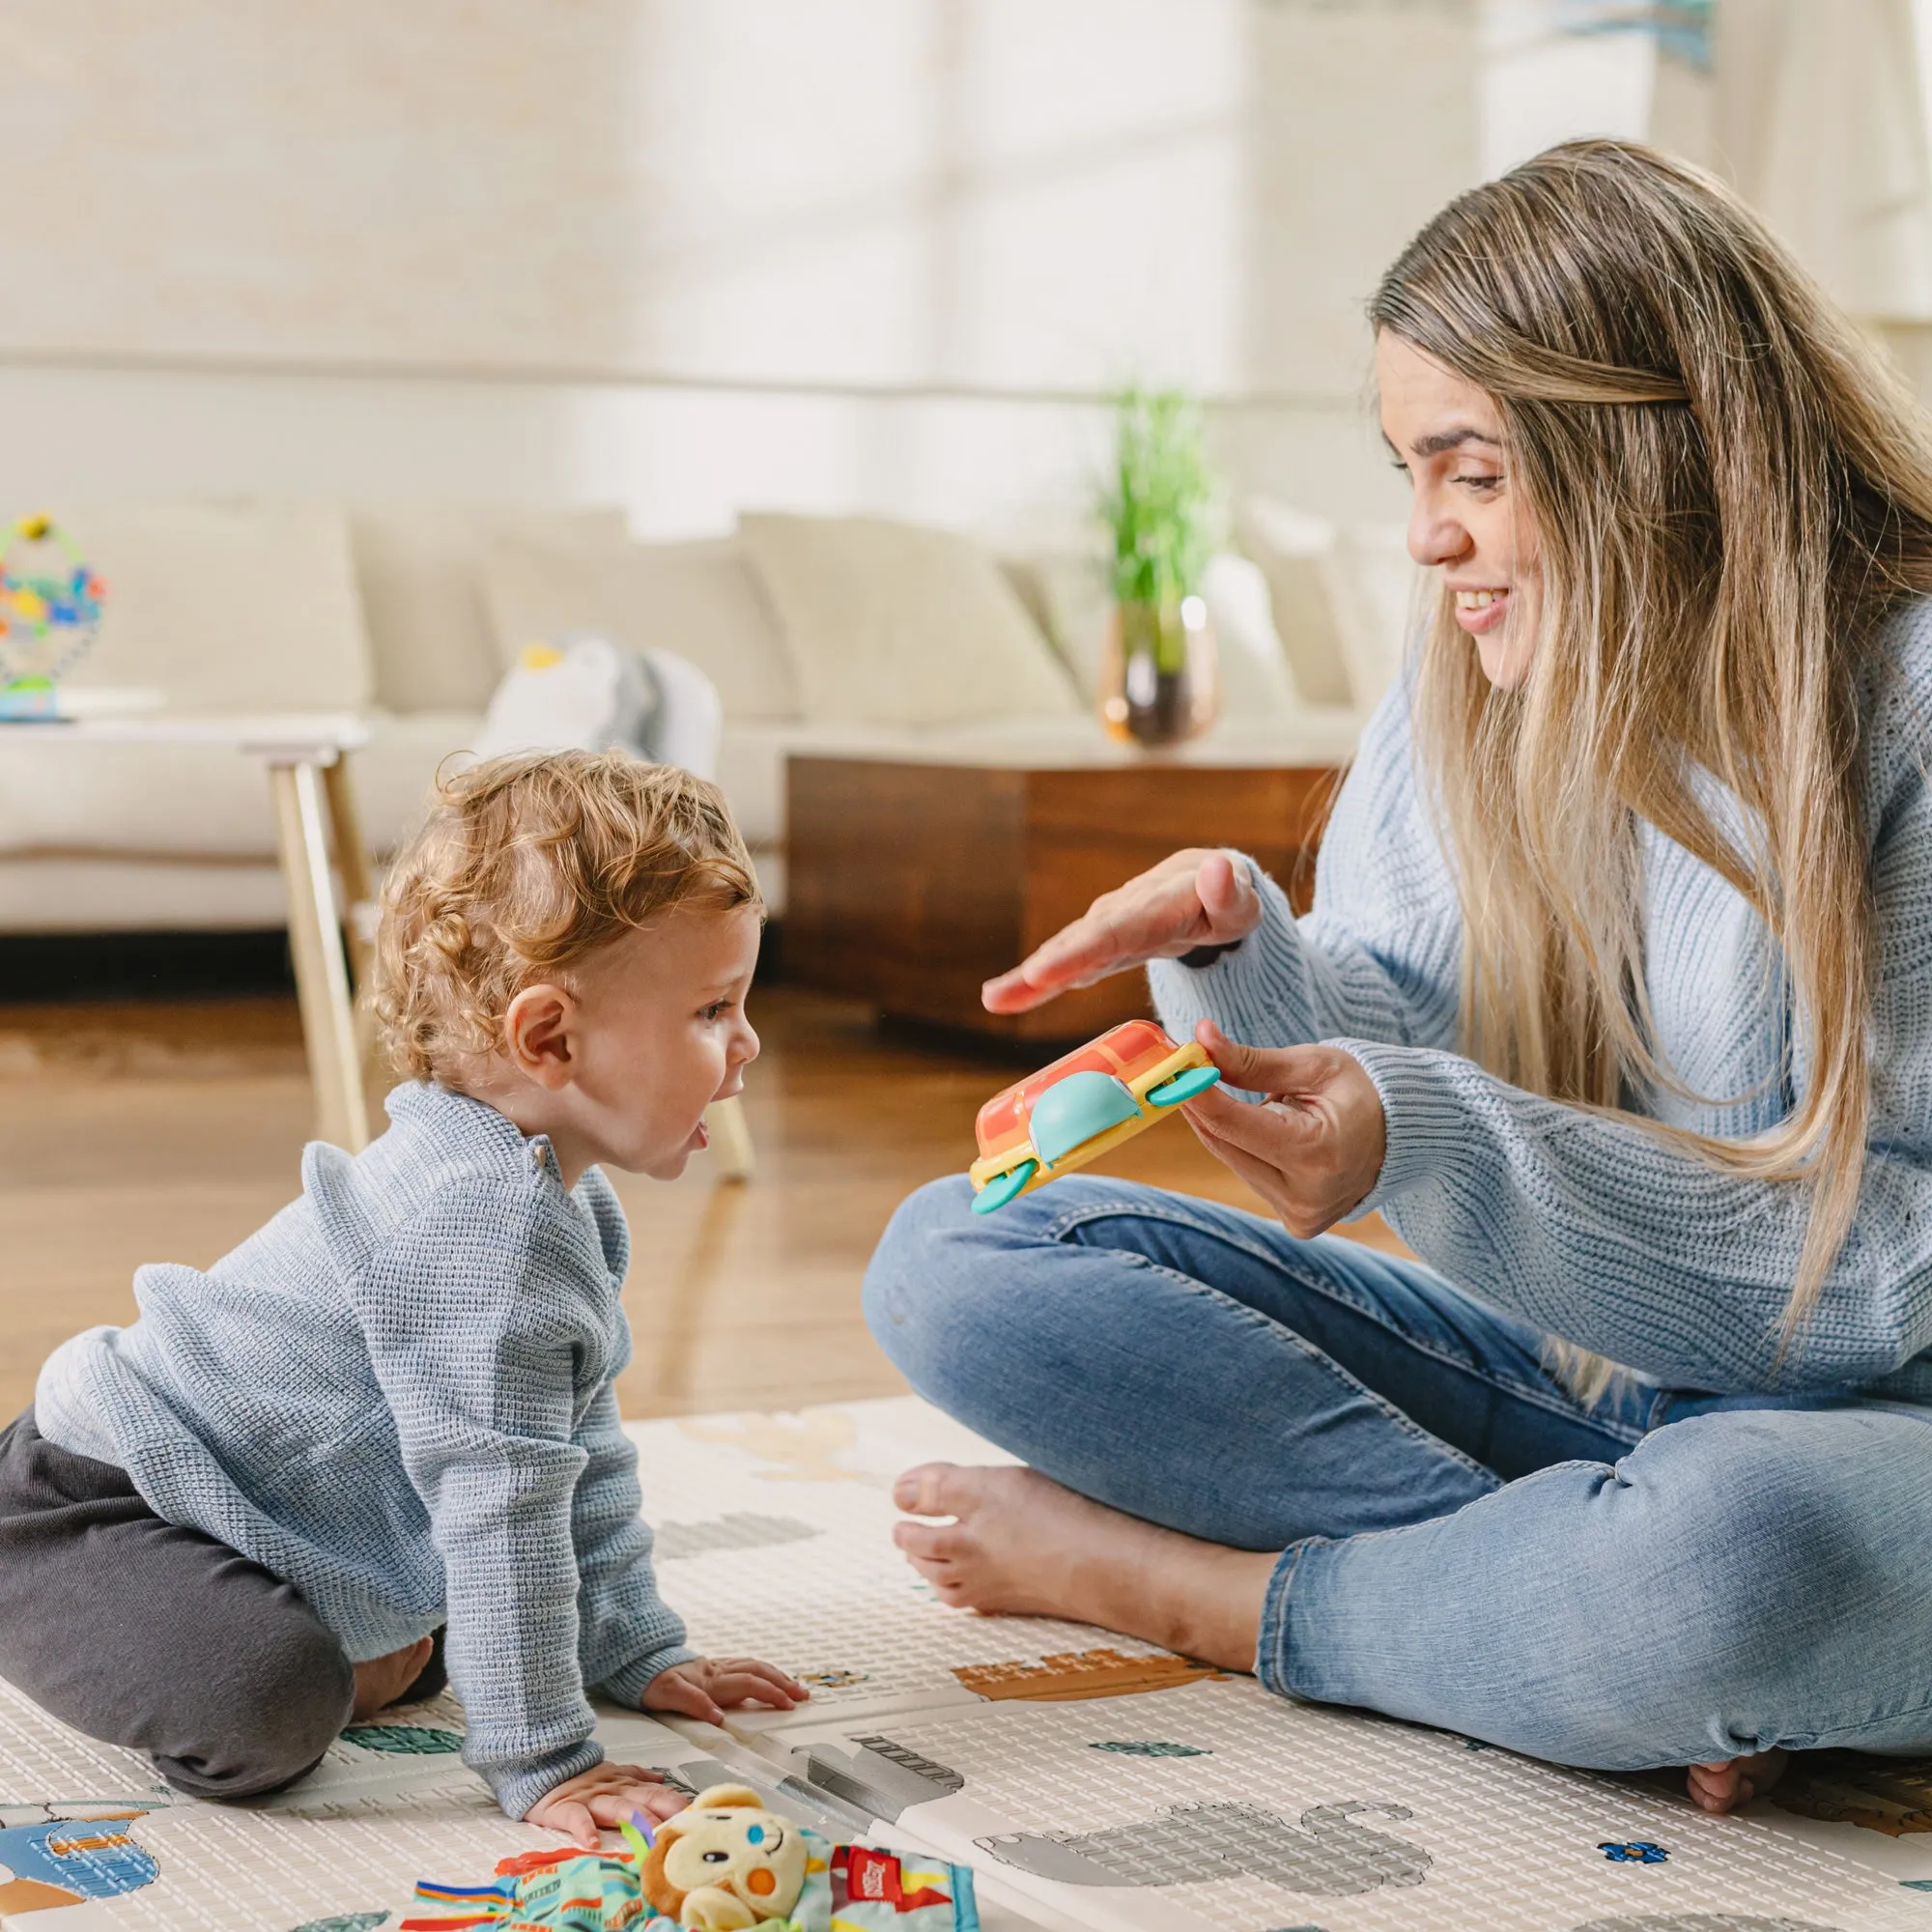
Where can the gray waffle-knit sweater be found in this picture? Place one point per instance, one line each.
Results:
(1592, 1227)
(398, 1396)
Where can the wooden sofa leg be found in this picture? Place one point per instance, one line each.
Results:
(731, 1138)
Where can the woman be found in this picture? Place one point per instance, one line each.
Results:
(1614, 1001)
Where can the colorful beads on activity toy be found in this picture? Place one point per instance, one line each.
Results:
(1086, 1102)
(50, 600)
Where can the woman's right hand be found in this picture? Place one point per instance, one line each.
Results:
(1194, 898)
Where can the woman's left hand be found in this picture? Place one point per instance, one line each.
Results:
(1314, 1148)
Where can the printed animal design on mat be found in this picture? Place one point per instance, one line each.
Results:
(352, 1921)
(70, 1861)
(883, 1778)
(1888, 1795)
(1703, 1921)
(834, 1680)
(1071, 1675)
(1150, 1747)
(1195, 1844)
(739, 1531)
(404, 1740)
(1636, 1852)
(803, 1446)
(725, 1862)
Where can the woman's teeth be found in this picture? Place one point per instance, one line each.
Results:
(1478, 599)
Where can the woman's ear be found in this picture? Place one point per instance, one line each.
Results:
(538, 1034)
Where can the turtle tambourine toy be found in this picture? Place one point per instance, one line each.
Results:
(1072, 1112)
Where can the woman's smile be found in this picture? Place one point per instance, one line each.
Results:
(1480, 611)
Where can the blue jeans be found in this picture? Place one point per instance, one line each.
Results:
(1662, 1577)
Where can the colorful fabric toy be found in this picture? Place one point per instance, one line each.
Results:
(50, 610)
(726, 1864)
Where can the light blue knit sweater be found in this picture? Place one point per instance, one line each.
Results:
(1590, 1227)
(398, 1396)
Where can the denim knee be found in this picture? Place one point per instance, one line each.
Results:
(919, 1297)
(266, 1718)
(1754, 1554)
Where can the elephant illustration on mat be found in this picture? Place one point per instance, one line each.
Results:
(1328, 1854)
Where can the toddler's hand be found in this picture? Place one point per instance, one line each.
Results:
(704, 1686)
(604, 1795)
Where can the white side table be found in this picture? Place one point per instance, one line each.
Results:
(303, 757)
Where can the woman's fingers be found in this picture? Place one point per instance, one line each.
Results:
(1193, 899)
(1094, 945)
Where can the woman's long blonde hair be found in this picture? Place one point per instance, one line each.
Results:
(1730, 490)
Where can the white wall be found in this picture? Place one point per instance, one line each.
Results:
(697, 254)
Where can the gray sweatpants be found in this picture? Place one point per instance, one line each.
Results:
(143, 1633)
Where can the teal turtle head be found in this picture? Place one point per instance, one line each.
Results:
(1072, 1111)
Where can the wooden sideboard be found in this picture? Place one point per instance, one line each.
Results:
(911, 883)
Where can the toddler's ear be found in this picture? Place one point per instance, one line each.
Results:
(537, 1034)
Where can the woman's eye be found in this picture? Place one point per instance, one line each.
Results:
(1482, 482)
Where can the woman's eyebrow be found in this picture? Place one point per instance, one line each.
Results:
(1453, 439)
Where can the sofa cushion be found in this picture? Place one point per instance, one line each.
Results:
(1299, 555)
(1381, 598)
(699, 600)
(895, 624)
(421, 568)
(226, 606)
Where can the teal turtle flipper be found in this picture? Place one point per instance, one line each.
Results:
(1003, 1188)
(1072, 1111)
(1182, 1087)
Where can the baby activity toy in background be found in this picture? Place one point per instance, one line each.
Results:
(49, 614)
(1075, 1111)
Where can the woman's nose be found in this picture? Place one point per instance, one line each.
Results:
(1435, 538)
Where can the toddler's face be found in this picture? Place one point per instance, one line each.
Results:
(659, 1034)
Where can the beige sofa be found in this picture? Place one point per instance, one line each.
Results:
(821, 634)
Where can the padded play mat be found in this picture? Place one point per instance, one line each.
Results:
(1094, 1782)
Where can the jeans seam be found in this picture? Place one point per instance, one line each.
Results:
(1058, 1229)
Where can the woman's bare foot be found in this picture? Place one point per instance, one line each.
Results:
(1022, 1545)
(1728, 1782)
(380, 1681)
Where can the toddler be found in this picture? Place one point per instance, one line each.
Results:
(380, 1438)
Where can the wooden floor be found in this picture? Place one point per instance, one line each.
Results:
(162, 1132)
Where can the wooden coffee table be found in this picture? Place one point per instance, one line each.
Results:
(911, 882)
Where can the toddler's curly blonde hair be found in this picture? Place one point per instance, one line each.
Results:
(525, 864)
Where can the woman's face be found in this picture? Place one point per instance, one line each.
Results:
(1446, 435)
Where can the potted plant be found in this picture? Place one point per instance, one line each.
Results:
(1161, 686)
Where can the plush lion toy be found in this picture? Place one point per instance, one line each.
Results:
(725, 1862)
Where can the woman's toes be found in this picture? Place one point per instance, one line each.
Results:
(930, 1490)
(929, 1541)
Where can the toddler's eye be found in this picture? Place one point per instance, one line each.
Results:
(717, 1009)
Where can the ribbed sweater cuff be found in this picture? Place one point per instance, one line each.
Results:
(519, 1786)
(626, 1686)
(1424, 1118)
